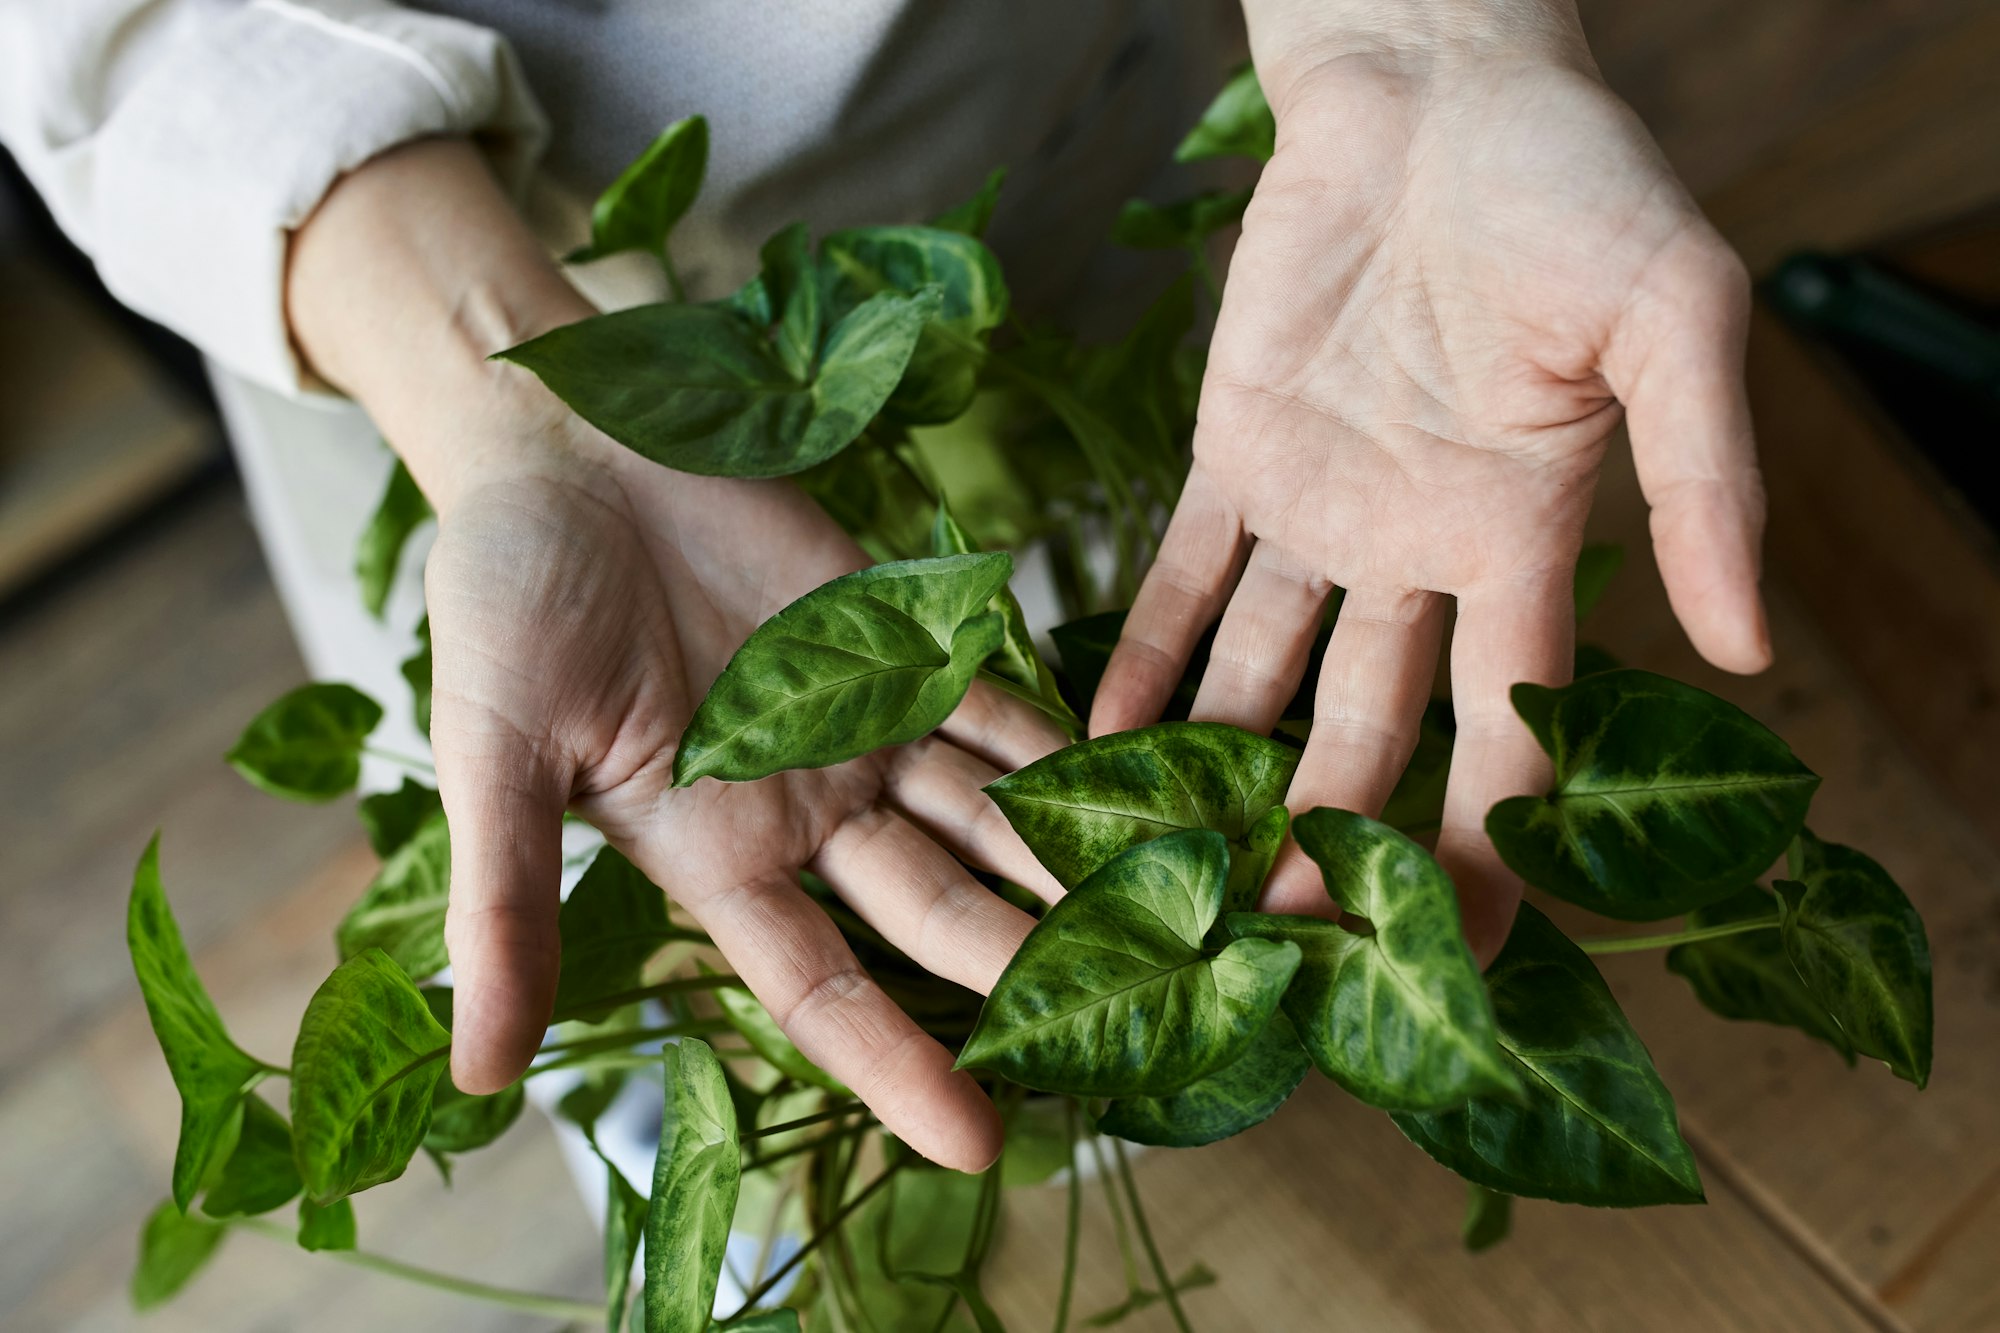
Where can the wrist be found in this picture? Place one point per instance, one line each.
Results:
(1290, 39)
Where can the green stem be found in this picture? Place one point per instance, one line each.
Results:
(804, 1120)
(407, 761)
(1146, 1239)
(612, 1041)
(554, 1307)
(1133, 1286)
(677, 986)
(917, 479)
(817, 1141)
(1637, 943)
(673, 275)
(1075, 1222)
(765, 1287)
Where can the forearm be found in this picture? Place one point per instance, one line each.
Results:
(1290, 37)
(410, 273)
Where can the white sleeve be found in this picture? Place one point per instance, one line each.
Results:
(179, 142)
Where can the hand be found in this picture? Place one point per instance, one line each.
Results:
(1458, 270)
(581, 600)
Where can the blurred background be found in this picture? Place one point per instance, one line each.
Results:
(1851, 152)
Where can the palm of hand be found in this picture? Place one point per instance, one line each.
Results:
(577, 620)
(1444, 290)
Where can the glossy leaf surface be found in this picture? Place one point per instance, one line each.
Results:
(639, 210)
(1113, 995)
(1666, 797)
(391, 818)
(1861, 949)
(1016, 661)
(874, 658)
(700, 389)
(695, 1179)
(462, 1122)
(612, 923)
(1397, 1015)
(1083, 805)
(367, 1059)
(307, 745)
(1597, 1125)
(1750, 976)
(259, 1174)
(211, 1073)
(1243, 1093)
(1238, 123)
(172, 1248)
(402, 911)
(400, 512)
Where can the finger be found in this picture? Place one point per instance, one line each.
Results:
(792, 957)
(940, 789)
(1524, 630)
(920, 899)
(504, 803)
(1373, 684)
(1677, 366)
(1263, 643)
(1184, 591)
(1001, 729)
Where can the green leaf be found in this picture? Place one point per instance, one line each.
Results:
(1016, 661)
(211, 1072)
(328, 1228)
(624, 1228)
(1592, 658)
(400, 512)
(1113, 995)
(402, 912)
(307, 745)
(462, 1122)
(695, 1178)
(173, 1247)
(1597, 1126)
(943, 370)
(584, 1104)
(259, 1175)
(1083, 805)
(1179, 225)
(367, 1058)
(1417, 803)
(1246, 1092)
(612, 924)
(754, 1022)
(1084, 646)
(1750, 976)
(1396, 1014)
(791, 285)
(392, 818)
(1489, 1216)
(699, 389)
(1861, 949)
(874, 658)
(640, 209)
(1596, 565)
(417, 671)
(764, 1321)
(1666, 797)
(972, 216)
(1238, 123)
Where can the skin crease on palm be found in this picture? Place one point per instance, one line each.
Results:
(1450, 277)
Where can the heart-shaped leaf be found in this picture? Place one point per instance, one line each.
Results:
(874, 658)
(364, 1065)
(695, 1178)
(1666, 797)
(307, 745)
(173, 1247)
(1113, 994)
(1017, 662)
(1750, 976)
(462, 1122)
(1243, 1093)
(700, 388)
(640, 209)
(392, 818)
(330, 1228)
(1597, 1125)
(972, 216)
(402, 912)
(611, 925)
(400, 512)
(259, 1174)
(1861, 949)
(750, 1018)
(1238, 123)
(1081, 806)
(212, 1073)
(1395, 1013)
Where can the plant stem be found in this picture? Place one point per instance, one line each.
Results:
(407, 761)
(1146, 1239)
(1636, 943)
(612, 1041)
(917, 478)
(1075, 1222)
(676, 986)
(673, 275)
(836, 1113)
(1132, 1285)
(832, 1137)
(555, 1307)
(833, 1223)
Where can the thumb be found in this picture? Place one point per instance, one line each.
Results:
(504, 802)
